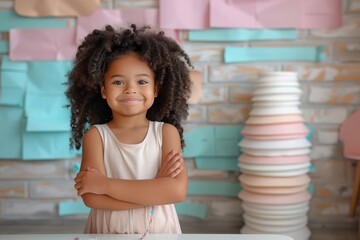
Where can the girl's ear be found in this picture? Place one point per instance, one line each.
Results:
(103, 95)
(156, 91)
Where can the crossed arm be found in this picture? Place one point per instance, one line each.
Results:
(99, 191)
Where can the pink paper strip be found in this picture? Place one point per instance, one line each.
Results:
(184, 14)
(42, 44)
(301, 14)
(120, 18)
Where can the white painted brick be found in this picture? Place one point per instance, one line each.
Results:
(329, 170)
(330, 208)
(228, 113)
(13, 189)
(354, 6)
(349, 28)
(6, 4)
(226, 208)
(52, 189)
(214, 94)
(241, 94)
(324, 151)
(31, 170)
(335, 94)
(238, 72)
(197, 113)
(25, 209)
(136, 4)
(327, 136)
(335, 115)
(337, 188)
(107, 4)
(347, 51)
(204, 52)
(322, 72)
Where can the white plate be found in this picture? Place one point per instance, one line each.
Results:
(274, 229)
(277, 213)
(276, 104)
(274, 153)
(274, 199)
(273, 168)
(269, 182)
(277, 90)
(276, 222)
(275, 190)
(294, 83)
(297, 143)
(278, 173)
(299, 234)
(271, 111)
(276, 98)
(280, 208)
(264, 120)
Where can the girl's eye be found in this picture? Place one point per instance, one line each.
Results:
(117, 82)
(142, 82)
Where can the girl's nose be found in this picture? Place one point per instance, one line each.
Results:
(130, 90)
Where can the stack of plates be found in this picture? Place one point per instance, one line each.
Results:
(275, 160)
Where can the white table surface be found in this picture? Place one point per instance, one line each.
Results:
(149, 237)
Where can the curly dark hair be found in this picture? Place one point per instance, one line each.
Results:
(163, 55)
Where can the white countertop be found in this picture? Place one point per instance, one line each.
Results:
(149, 237)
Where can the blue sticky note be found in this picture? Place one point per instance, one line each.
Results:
(200, 142)
(47, 113)
(48, 76)
(311, 131)
(9, 19)
(311, 188)
(235, 34)
(11, 96)
(197, 210)
(217, 163)
(11, 129)
(4, 46)
(72, 208)
(219, 188)
(227, 139)
(312, 168)
(46, 145)
(13, 74)
(255, 54)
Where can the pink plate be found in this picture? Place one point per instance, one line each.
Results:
(274, 160)
(274, 199)
(262, 120)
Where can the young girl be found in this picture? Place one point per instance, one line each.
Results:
(131, 87)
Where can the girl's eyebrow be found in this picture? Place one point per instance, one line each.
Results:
(138, 75)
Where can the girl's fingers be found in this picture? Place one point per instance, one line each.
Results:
(176, 172)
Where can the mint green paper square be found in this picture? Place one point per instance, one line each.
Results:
(4, 46)
(11, 96)
(11, 128)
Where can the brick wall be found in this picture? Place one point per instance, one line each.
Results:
(33, 189)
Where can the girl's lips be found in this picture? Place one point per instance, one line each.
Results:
(131, 100)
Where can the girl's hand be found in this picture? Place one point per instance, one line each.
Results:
(171, 166)
(90, 181)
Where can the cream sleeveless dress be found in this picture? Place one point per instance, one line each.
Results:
(133, 161)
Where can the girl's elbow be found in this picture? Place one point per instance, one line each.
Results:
(181, 195)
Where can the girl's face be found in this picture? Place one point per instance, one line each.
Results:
(129, 86)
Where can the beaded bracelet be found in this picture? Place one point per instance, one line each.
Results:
(152, 212)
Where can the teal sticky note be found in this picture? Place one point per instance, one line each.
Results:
(11, 96)
(219, 188)
(9, 19)
(255, 54)
(197, 210)
(11, 129)
(72, 208)
(13, 74)
(311, 131)
(4, 46)
(200, 142)
(235, 34)
(312, 168)
(47, 113)
(217, 163)
(76, 168)
(227, 139)
(48, 76)
(46, 145)
(311, 188)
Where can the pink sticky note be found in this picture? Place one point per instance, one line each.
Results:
(184, 14)
(301, 14)
(350, 136)
(42, 44)
(120, 18)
